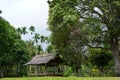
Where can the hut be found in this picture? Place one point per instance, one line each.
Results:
(45, 65)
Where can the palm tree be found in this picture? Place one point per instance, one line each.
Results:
(50, 49)
(24, 31)
(0, 11)
(32, 29)
(19, 30)
(40, 49)
(42, 38)
(30, 46)
(36, 38)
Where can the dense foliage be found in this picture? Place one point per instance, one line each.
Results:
(85, 33)
(79, 25)
(13, 51)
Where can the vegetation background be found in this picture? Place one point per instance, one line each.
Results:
(86, 35)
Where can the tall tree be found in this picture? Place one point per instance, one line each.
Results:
(31, 48)
(97, 20)
(19, 30)
(20, 56)
(32, 29)
(50, 49)
(0, 11)
(101, 25)
(9, 37)
(63, 19)
(36, 39)
(24, 30)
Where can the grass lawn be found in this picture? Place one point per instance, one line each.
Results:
(62, 78)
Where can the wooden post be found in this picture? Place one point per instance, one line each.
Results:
(30, 70)
(36, 70)
(45, 69)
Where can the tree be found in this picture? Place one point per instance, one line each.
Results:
(31, 48)
(50, 49)
(20, 56)
(7, 39)
(19, 30)
(0, 11)
(64, 19)
(13, 51)
(24, 30)
(78, 52)
(32, 29)
(100, 25)
(40, 50)
(97, 20)
(100, 58)
(36, 39)
(9, 48)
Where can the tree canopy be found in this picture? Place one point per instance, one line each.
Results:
(96, 21)
(13, 51)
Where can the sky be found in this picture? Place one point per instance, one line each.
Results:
(20, 13)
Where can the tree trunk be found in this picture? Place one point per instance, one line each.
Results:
(46, 70)
(1, 72)
(78, 71)
(117, 62)
(115, 50)
(36, 50)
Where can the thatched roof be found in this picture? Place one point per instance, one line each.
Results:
(51, 59)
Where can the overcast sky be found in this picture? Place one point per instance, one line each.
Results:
(20, 13)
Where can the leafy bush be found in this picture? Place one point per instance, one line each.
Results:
(67, 71)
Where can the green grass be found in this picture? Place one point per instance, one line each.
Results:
(62, 78)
